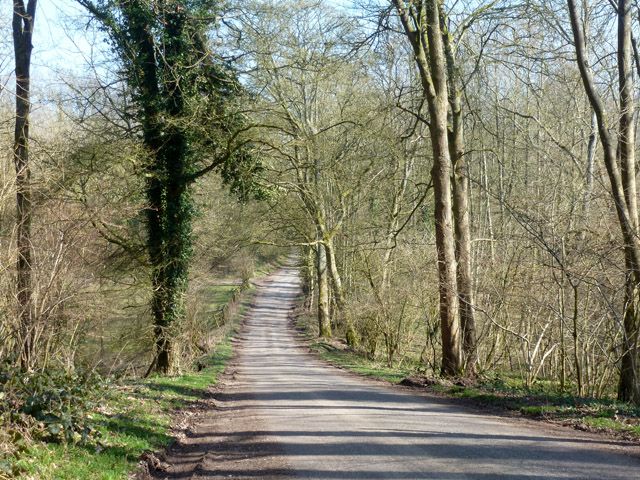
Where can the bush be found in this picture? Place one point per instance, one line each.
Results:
(14, 444)
(53, 405)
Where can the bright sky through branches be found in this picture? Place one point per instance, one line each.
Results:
(63, 46)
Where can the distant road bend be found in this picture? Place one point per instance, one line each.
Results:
(285, 415)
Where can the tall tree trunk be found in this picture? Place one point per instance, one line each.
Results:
(308, 285)
(487, 202)
(22, 27)
(169, 209)
(588, 176)
(626, 130)
(149, 85)
(336, 280)
(620, 165)
(421, 22)
(174, 154)
(463, 256)
(460, 183)
(445, 245)
(441, 174)
(338, 291)
(629, 382)
(629, 387)
(392, 226)
(324, 318)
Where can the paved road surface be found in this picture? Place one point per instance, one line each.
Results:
(284, 415)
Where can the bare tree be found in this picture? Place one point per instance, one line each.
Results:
(421, 23)
(619, 159)
(23, 24)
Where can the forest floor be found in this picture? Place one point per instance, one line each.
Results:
(281, 413)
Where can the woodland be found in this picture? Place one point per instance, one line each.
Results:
(455, 179)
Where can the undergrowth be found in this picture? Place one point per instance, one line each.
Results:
(63, 426)
(135, 417)
(543, 400)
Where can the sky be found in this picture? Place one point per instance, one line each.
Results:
(59, 46)
(63, 49)
(62, 44)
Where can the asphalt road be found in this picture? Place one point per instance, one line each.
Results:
(285, 415)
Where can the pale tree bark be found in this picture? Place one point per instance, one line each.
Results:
(309, 278)
(463, 256)
(462, 223)
(324, 316)
(394, 220)
(591, 156)
(22, 26)
(324, 295)
(421, 22)
(619, 159)
(338, 290)
(336, 279)
(308, 184)
(629, 386)
(487, 204)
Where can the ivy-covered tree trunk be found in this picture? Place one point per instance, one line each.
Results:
(180, 93)
(22, 26)
(161, 107)
(150, 100)
(174, 155)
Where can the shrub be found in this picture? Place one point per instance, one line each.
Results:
(59, 402)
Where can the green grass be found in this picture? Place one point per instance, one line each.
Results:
(540, 410)
(602, 423)
(337, 354)
(133, 418)
(357, 363)
(219, 295)
(544, 400)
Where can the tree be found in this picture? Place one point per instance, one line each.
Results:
(421, 21)
(619, 160)
(308, 117)
(460, 184)
(181, 92)
(22, 26)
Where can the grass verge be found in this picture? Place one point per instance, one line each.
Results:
(539, 402)
(133, 417)
(543, 401)
(357, 363)
(338, 354)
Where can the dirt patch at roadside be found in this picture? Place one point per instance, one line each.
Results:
(210, 447)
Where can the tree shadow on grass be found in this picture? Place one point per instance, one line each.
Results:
(133, 436)
(137, 427)
(192, 393)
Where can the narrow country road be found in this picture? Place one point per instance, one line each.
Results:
(285, 415)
